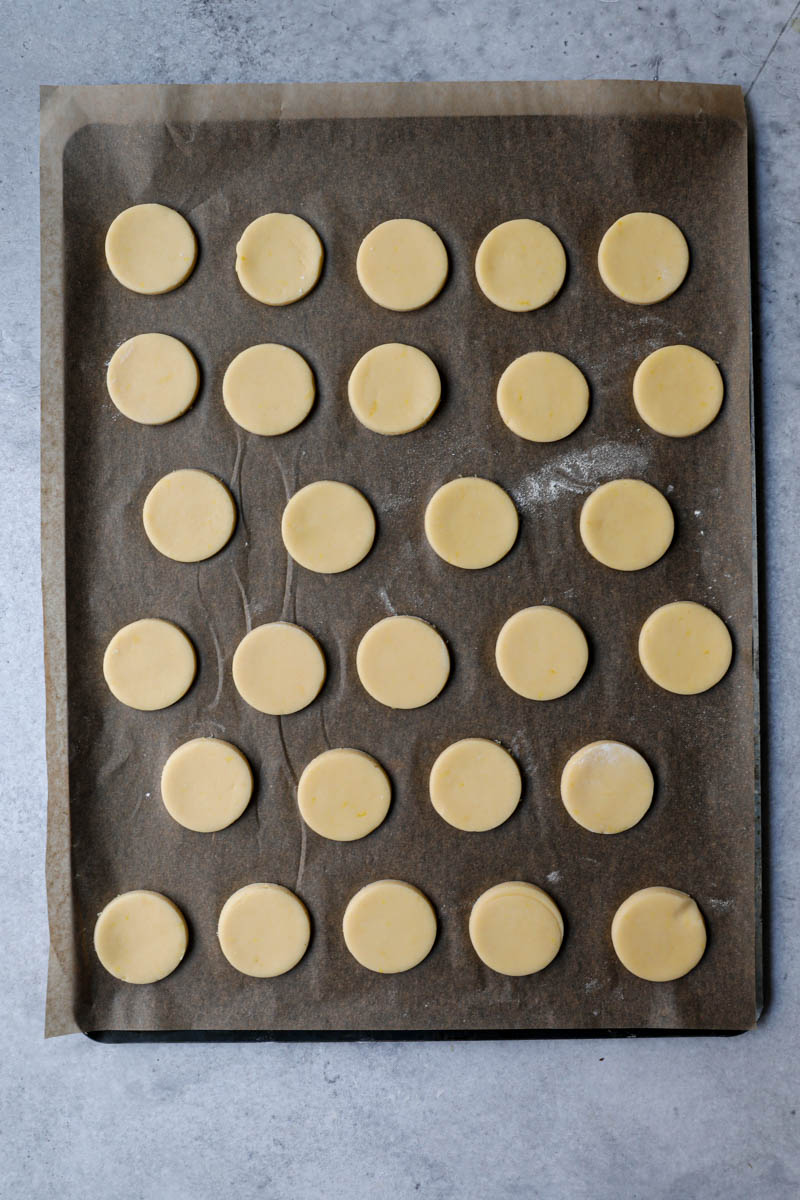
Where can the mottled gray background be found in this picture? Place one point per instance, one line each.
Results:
(688, 1119)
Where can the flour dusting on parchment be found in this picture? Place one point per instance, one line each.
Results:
(576, 472)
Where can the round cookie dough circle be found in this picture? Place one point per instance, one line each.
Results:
(278, 258)
(471, 523)
(268, 389)
(206, 784)
(150, 249)
(678, 390)
(542, 396)
(189, 515)
(515, 928)
(328, 527)
(475, 785)
(659, 934)
(643, 258)
(389, 926)
(149, 664)
(541, 653)
(140, 937)
(263, 930)
(402, 264)
(520, 265)
(152, 378)
(403, 662)
(394, 389)
(685, 648)
(627, 524)
(607, 787)
(343, 794)
(278, 668)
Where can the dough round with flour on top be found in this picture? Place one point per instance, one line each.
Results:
(150, 249)
(152, 378)
(542, 396)
(643, 258)
(402, 264)
(278, 258)
(263, 930)
(328, 527)
(471, 523)
(515, 928)
(149, 664)
(520, 265)
(189, 515)
(541, 653)
(394, 389)
(343, 794)
(685, 648)
(389, 926)
(140, 937)
(607, 787)
(278, 668)
(206, 784)
(475, 785)
(403, 662)
(627, 524)
(268, 389)
(659, 934)
(678, 390)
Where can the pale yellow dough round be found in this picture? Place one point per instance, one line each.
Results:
(394, 389)
(643, 258)
(659, 934)
(471, 523)
(541, 653)
(389, 926)
(278, 258)
(685, 648)
(268, 389)
(402, 264)
(515, 928)
(678, 390)
(150, 249)
(542, 396)
(607, 787)
(403, 662)
(627, 524)
(278, 668)
(328, 527)
(263, 930)
(140, 937)
(149, 664)
(152, 378)
(475, 785)
(343, 794)
(206, 784)
(520, 265)
(189, 515)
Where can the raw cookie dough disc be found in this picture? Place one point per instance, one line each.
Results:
(263, 930)
(189, 515)
(515, 928)
(685, 648)
(150, 249)
(678, 390)
(403, 662)
(659, 934)
(643, 258)
(278, 258)
(149, 664)
(541, 653)
(278, 668)
(206, 784)
(268, 389)
(607, 787)
(394, 388)
(389, 926)
(140, 937)
(328, 527)
(402, 264)
(520, 265)
(627, 524)
(475, 785)
(343, 794)
(542, 396)
(471, 523)
(152, 378)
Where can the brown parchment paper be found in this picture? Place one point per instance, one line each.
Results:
(462, 157)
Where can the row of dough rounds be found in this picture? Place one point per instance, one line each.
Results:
(390, 926)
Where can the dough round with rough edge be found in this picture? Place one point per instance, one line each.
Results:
(475, 785)
(263, 930)
(403, 662)
(659, 934)
(343, 794)
(643, 258)
(152, 378)
(607, 787)
(627, 524)
(389, 926)
(402, 264)
(268, 389)
(150, 249)
(520, 265)
(394, 389)
(542, 396)
(328, 527)
(678, 390)
(541, 653)
(278, 668)
(189, 515)
(206, 784)
(140, 937)
(685, 647)
(279, 258)
(149, 664)
(471, 523)
(515, 928)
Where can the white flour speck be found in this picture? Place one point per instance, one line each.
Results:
(721, 905)
(554, 877)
